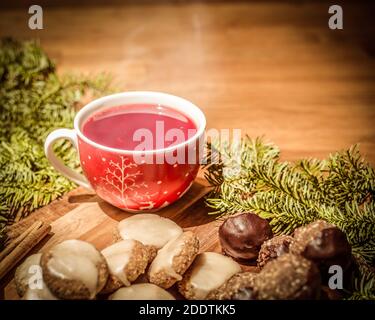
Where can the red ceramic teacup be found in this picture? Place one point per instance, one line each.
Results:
(123, 177)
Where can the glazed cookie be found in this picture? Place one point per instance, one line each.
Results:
(173, 260)
(141, 291)
(152, 230)
(74, 269)
(126, 260)
(23, 274)
(238, 287)
(208, 272)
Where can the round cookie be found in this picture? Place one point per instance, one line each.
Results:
(288, 277)
(238, 287)
(173, 260)
(126, 260)
(141, 291)
(23, 275)
(28, 285)
(152, 230)
(74, 269)
(209, 271)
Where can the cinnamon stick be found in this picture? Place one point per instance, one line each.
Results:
(18, 251)
(23, 235)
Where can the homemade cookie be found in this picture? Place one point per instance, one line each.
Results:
(29, 280)
(141, 291)
(23, 274)
(74, 269)
(289, 277)
(208, 272)
(126, 260)
(152, 230)
(173, 260)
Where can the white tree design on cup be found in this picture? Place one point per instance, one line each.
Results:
(124, 182)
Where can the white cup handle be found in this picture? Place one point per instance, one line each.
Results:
(57, 163)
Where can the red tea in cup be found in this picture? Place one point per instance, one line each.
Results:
(139, 151)
(126, 127)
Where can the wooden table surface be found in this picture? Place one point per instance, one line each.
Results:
(268, 68)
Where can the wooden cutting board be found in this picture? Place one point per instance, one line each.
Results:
(83, 215)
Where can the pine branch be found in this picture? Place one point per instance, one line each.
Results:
(313, 170)
(284, 212)
(350, 178)
(364, 284)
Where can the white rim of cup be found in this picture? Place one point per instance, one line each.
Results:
(151, 97)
